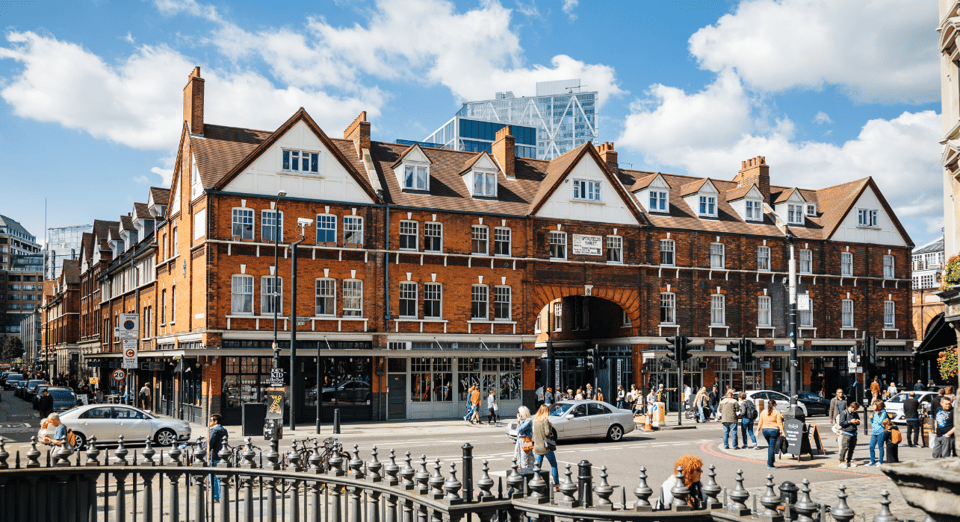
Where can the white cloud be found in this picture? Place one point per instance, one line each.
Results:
(166, 175)
(138, 102)
(708, 133)
(191, 7)
(822, 118)
(569, 6)
(143, 180)
(882, 50)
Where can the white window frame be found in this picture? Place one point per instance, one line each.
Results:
(240, 215)
(558, 245)
(407, 292)
(478, 234)
(718, 311)
(754, 210)
(659, 201)
(409, 228)
(266, 300)
(325, 219)
(484, 183)
(889, 315)
(295, 155)
(429, 228)
(668, 252)
(805, 264)
(718, 256)
(627, 322)
(888, 266)
(476, 292)
(794, 213)
(415, 177)
(811, 209)
(708, 206)
(353, 225)
(264, 227)
(557, 316)
(806, 316)
(330, 292)
(586, 190)
(200, 224)
(764, 313)
(846, 264)
(615, 250)
(431, 290)
(498, 292)
(501, 235)
(353, 287)
(846, 313)
(867, 218)
(240, 285)
(668, 308)
(763, 259)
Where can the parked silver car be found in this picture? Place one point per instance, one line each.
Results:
(761, 397)
(894, 406)
(107, 422)
(581, 419)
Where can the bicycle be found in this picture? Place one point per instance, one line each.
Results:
(301, 455)
(200, 442)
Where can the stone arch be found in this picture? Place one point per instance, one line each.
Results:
(626, 298)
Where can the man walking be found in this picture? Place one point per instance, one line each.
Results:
(911, 412)
(45, 404)
(943, 422)
(144, 397)
(729, 415)
(475, 404)
(849, 420)
(875, 388)
(216, 437)
(837, 404)
(539, 393)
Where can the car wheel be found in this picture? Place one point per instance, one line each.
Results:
(553, 433)
(615, 433)
(165, 437)
(81, 441)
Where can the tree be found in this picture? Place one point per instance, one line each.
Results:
(947, 363)
(11, 348)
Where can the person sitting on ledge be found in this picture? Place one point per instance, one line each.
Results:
(692, 468)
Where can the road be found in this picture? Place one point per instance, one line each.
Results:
(657, 451)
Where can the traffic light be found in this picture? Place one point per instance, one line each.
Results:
(748, 347)
(871, 350)
(673, 353)
(591, 358)
(684, 343)
(734, 348)
(603, 362)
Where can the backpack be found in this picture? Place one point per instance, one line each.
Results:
(71, 438)
(751, 410)
(895, 436)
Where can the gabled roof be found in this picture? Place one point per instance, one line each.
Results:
(836, 203)
(160, 195)
(739, 192)
(265, 142)
(141, 211)
(643, 182)
(693, 187)
(126, 222)
(71, 270)
(473, 161)
(101, 232)
(222, 148)
(403, 156)
(784, 195)
(86, 245)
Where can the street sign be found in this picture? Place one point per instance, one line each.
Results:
(119, 375)
(764, 365)
(803, 302)
(129, 354)
(276, 377)
(732, 365)
(129, 326)
(587, 245)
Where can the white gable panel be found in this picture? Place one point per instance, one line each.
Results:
(265, 176)
(885, 233)
(610, 209)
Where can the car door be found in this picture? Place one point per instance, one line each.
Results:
(97, 422)
(578, 422)
(132, 424)
(600, 419)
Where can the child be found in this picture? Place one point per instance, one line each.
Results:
(894, 438)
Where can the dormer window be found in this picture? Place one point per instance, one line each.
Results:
(794, 214)
(584, 190)
(484, 184)
(754, 211)
(416, 177)
(811, 209)
(659, 201)
(708, 206)
(301, 161)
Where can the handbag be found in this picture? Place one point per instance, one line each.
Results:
(526, 444)
(495, 407)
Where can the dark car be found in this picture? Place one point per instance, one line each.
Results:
(350, 392)
(11, 380)
(63, 399)
(38, 394)
(816, 405)
(31, 389)
(18, 387)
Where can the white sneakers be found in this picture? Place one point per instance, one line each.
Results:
(844, 465)
(851, 465)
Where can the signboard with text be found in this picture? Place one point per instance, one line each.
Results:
(275, 399)
(587, 245)
(129, 354)
(128, 326)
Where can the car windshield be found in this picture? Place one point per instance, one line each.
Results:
(560, 409)
(900, 397)
(14, 377)
(62, 395)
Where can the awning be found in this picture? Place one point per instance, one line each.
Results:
(939, 335)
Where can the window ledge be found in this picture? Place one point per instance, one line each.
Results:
(587, 201)
(298, 173)
(418, 320)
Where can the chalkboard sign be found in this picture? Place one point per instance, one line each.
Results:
(793, 431)
(275, 398)
(815, 440)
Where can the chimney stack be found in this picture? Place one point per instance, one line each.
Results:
(609, 157)
(503, 150)
(359, 133)
(755, 171)
(193, 102)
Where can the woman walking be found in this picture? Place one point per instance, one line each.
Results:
(544, 444)
(878, 436)
(770, 426)
(523, 452)
(621, 396)
(492, 408)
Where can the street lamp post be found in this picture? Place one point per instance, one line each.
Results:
(295, 385)
(794, 411)
(276, 275)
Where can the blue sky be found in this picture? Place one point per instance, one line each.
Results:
(828, 90)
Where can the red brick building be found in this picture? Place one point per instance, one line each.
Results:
(421, 271)
(60, 319)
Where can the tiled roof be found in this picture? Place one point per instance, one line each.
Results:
(222, 148)
(931, 247)
(783, 195)
(643, 182)
(71, 270)
(13, 224)
(555, 170)
(738, 192)
(86, 244)
(141, 211)
(692, 188)
(127, 223)
(160, 195)
(101, 229)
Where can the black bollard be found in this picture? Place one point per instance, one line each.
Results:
(336, 421)
(467, 472)
(585, 489)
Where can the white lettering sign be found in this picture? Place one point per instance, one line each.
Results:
(587, 245)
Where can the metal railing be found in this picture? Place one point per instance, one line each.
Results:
(178, 486)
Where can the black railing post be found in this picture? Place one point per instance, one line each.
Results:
(336, 421)
(467, 471)
(585, 488)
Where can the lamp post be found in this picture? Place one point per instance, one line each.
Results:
(302, 223)
(794, 411)
(276, 274)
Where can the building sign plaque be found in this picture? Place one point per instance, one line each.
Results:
(587, 245)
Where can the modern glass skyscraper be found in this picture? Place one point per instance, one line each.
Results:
(563, 117)
(62, 243)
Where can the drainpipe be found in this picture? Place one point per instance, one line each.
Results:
(386, 284)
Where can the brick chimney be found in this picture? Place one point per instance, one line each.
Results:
(503, 150)
(755, 171)
(359, 133)
(609, 157)
(193, 102)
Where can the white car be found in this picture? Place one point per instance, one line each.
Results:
(581, 419)
(760, 398)
(894, 406)
(107, 422)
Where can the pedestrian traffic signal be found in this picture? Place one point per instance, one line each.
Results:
(591, 358)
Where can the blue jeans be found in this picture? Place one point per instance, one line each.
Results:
(538, 461)
(215, 482)
(746, 427)
(877, 438)
(771, 434)
(728, 428)
(703, 417)
(713, 411)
